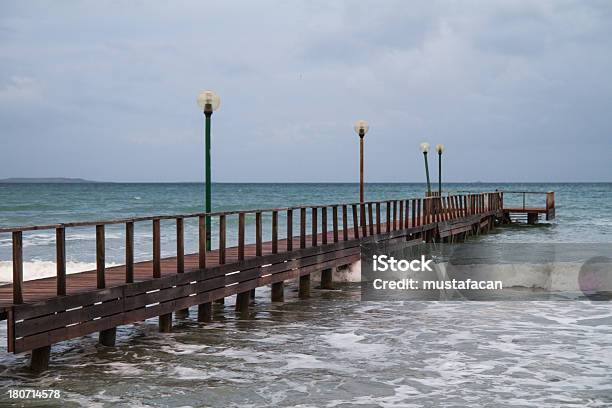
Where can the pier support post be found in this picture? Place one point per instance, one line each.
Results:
(304, 291)
(532, 218)
(253, 295)
(278, 291)
(220, 301)
(205, 312)
(181, 314)
(108, 337)
(165, 323)
(326, 279)
(243, 300)
(39, 360)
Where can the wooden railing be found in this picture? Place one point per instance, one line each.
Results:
(366, 219)
(547, 208)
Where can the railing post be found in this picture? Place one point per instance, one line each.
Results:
(180, 259)
(302, 227)
(323, 225)
(388, 217)
(371, 218)
(362, 218)
(378, 219)
(401, 214)
(105, 337)
(550, 205)
(221, 239)
(100, 257)
(335, 222)
(274, 232)
(60, 260)
(156, 250)
(129, 252)
(241, 227)
(202, 242)
(313, 226)
(344, 222)
(394, 215)
(355, 222)
(258, 234)
(17, 267)
(180, 245)
(289, 230)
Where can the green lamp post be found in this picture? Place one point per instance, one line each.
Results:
(361, 128)
(425, 150)
(209, 102)
(440, 149)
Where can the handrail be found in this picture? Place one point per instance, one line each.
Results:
(199, 214)
(366, 218)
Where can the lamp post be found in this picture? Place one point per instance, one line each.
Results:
(209, 102)
(361, 128)
(440, 149)
(425, 149)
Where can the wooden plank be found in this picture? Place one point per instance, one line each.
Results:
(156, 249)
(60, 260)
(17, 267)
(221, 252)
(100, 257)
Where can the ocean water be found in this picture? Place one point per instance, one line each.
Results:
(332, 350)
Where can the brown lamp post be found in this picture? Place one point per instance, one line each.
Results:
(361, 128)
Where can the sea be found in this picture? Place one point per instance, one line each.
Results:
(333, 350)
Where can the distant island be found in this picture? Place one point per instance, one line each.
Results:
(45, 180)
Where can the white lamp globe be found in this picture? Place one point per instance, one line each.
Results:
(440, 148)
(361, 126)
(209, 97)
(424, 147)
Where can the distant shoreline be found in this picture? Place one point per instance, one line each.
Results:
(24, 180)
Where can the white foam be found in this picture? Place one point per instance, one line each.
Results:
(43, 269)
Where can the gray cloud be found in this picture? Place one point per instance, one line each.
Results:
(517, 90)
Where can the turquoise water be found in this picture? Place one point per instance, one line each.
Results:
(332, 350)
(584, 211)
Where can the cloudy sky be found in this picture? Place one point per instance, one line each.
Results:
(105, 90)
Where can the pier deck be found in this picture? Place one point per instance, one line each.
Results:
(45, 311)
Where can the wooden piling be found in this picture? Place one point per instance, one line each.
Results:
(326, 279)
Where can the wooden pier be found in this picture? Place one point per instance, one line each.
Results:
(42, 312)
